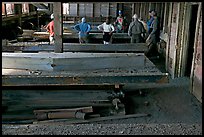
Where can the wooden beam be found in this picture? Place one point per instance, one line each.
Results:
(169, 35)
(76, 47)
(63, 113)
(94, 119)
(71, 61)
(41, 81)
(83, 109)
(58, 27)
(196, 42)
(45, 35)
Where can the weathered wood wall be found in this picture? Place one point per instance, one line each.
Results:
(196, 71)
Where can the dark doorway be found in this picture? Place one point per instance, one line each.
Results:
(192, 28)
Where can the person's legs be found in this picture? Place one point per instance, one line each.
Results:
(133, 38)
(106, 37)
(85, 38)
(80, 40)
(51, 39)
(152, 50)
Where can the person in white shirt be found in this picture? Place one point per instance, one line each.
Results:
(107, 28)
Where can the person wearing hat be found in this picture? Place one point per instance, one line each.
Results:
(84, 28)
(136, 30)
(119, 22)
(50, 29)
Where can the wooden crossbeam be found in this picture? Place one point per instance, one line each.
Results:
(45, 35)
(76, 47)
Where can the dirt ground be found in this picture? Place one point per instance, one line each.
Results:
(173, 110)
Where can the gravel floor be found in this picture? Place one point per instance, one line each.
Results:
(103, 129)
(174, 111)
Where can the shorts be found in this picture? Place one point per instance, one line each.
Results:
(106, 36)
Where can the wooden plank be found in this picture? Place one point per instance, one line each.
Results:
(25, 101)
(82, 109)
(76, 47)
(93, 119)
(83, 80)
(62, 113)
(79, 61)
(196, 70)
(167, 61)
(45, 35)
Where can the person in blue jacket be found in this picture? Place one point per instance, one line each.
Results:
(84, 29)
(149, 22)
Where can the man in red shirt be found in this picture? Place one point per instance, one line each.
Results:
(50, 29)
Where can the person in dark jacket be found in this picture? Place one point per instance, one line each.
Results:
(136, 30)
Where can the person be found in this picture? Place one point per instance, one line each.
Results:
(107, 28)
(144, 24)
(149, 22)
(153, 37)
(125, 25)
(145, 27)
(84, 28)
(50, 29)
(119, 22)
(136, 30)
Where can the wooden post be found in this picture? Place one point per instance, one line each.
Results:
(18, 12)
(133, 9)
(169, 34)
(5, 10)
(57, 8)
(195, 49)
(38, 22)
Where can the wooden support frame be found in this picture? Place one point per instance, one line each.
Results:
(169, 34)
(183, 42)
(58, 27)
(195, 45)
(176, 42)
(197, 94)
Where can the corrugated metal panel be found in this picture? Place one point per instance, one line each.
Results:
(97, 9)
(105, 9)
(89, 9)
(73, 9)
(113, 9)
(82, 10)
